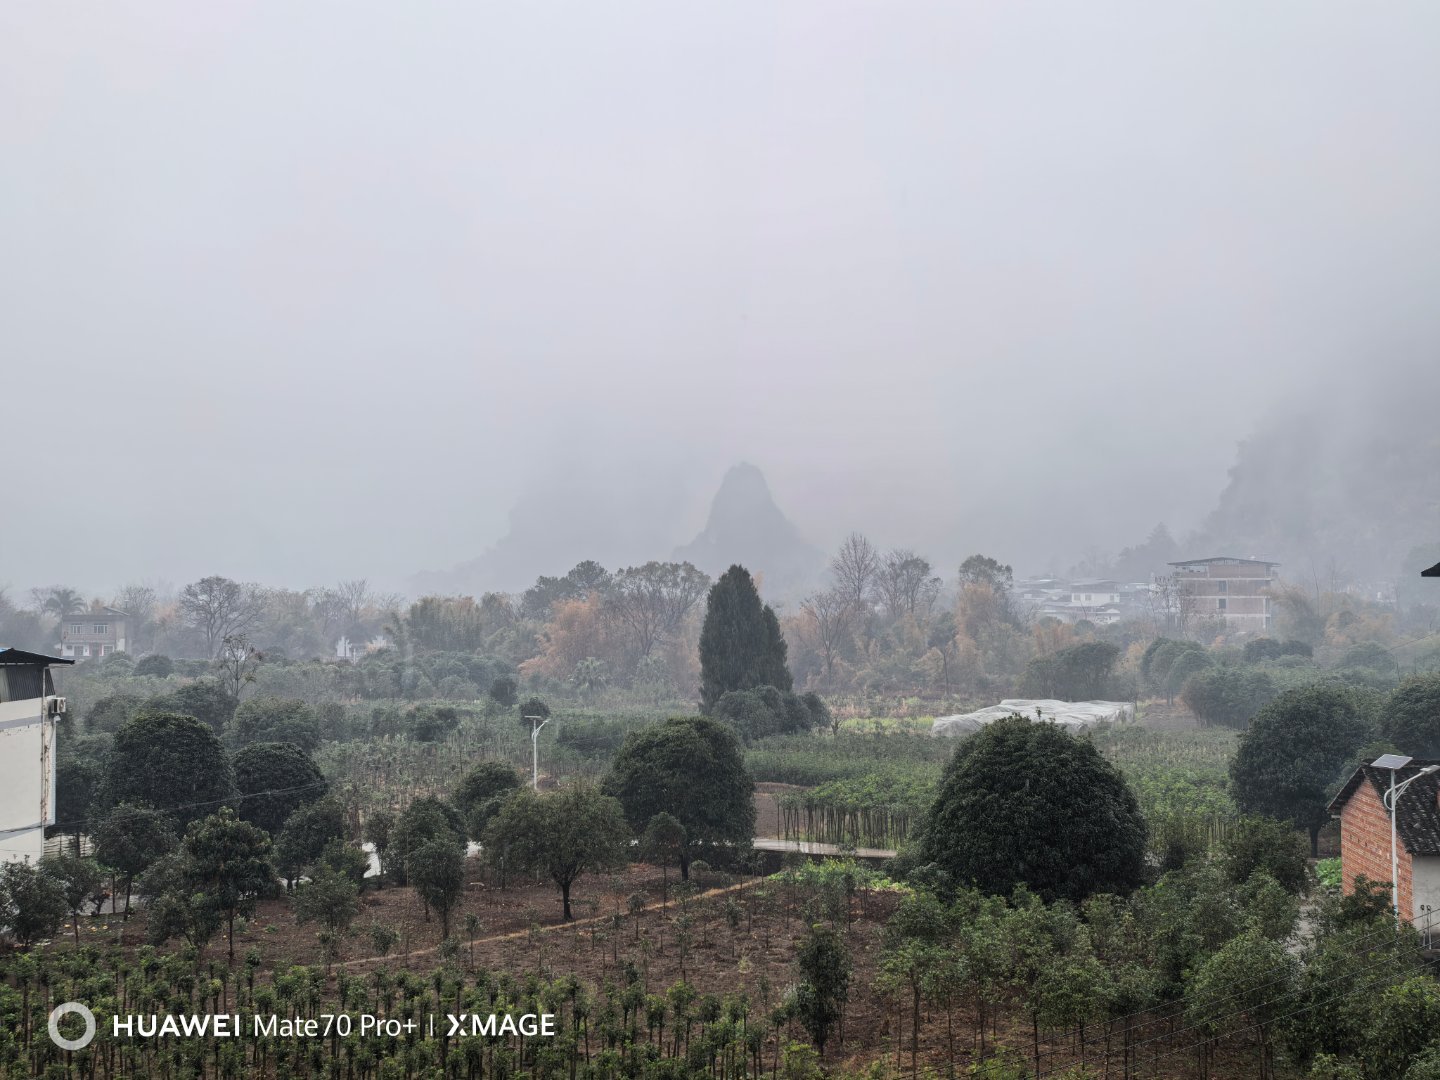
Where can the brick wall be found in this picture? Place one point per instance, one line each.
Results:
(1365, 845)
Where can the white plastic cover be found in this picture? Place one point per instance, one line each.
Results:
(1068, 714)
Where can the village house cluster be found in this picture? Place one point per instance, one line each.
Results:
(1221, 587)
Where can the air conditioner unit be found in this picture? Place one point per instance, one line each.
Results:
(55, 706)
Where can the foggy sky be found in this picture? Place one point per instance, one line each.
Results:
(296, 292)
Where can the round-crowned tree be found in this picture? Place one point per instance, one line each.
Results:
(1023, 802)
(504, 692)
(426, 818)
(482, 790)
(170, 762)
(157, 664)
(1411, 718)
(692, 768)
(268, 719)
(1292, 756)
(203, 698)
(272, 781)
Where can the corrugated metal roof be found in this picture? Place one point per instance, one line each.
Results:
(20, 656)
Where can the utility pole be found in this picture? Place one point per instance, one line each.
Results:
(535, 749)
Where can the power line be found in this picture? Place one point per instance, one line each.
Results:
(69, 826)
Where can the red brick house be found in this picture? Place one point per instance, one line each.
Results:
(1365, 836)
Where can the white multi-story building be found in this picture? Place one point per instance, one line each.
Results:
(28, 708)
(95, 633)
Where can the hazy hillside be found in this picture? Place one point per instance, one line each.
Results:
(1352, 488)
(619, 523)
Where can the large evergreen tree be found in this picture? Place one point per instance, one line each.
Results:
(1023, 802)
(741, 646)
(1411, 717)
(1295, 752)
(576, 830)
(170, 762)
(272, 781)
(693, 769)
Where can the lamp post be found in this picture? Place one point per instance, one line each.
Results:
(1396, 762)
(535, 749)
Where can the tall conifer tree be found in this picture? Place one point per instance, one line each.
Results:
(741, 646)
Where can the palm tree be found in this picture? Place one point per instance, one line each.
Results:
(62, 602)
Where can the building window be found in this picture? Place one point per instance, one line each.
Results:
(1223, 585)
(102, 628)
(74, 628)
(1222, 603)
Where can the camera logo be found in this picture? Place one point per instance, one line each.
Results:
(65, 1010)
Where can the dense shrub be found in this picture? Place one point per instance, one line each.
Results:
(1410, 717)
(156, 664)
(1229, 696)
(275, 720)
(1082, 672)
(765, 711)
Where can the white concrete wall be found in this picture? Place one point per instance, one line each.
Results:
(1425, 891)
(27, 766)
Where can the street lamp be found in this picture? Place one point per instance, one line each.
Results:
(535, 749)
(1395, 762)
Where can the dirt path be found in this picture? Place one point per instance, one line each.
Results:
(572, 925)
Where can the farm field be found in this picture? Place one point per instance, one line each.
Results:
(730, 943)
(729, 938)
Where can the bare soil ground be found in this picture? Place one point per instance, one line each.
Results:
(521, 931)
(1158, 716)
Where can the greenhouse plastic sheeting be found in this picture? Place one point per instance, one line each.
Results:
(1069, 714)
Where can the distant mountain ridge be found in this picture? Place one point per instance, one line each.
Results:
(551, 531)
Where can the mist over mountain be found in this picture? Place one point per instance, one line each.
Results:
(746, 526)
(615, 518)
(631, 518)
(1343, 489)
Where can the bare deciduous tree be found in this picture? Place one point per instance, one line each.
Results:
(218, 607)
(854, 568)
(353, 598)
(649, 602)
(1171, 606)
(905, 584)
(142, 604)
(237, 662)
(831, 613)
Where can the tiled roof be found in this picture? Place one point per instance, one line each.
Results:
(1418, 824)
